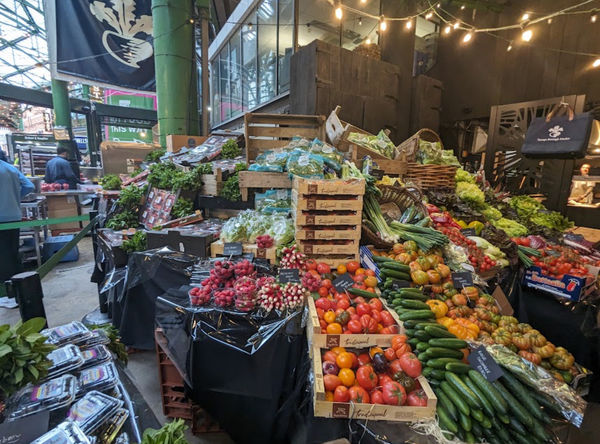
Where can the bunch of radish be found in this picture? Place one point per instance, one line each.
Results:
(292, 258)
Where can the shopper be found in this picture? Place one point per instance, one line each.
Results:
(58, 170)
(14, 185)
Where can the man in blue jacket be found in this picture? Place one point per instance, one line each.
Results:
(13, 186)
(58, 170)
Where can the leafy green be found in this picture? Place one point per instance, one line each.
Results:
(510, 227)
(136, 243)
(470, 193)
(111, 182)
(131, 197)
(250, 224)
(491, 213)
(205, 168)
(170, 433)
(183, 207)
(123, 220)
(230, 149)
(533, 212)
(551, 219)
(463, 176)
(525, 206)
(154, 156)
(162, 175)
(231, 187)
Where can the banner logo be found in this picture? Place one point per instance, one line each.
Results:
(555, 131)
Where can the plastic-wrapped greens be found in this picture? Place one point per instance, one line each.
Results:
(250, 224)
(273, 201)
(380, 143)
(332, 157)
(271, 160)
(305, 164)
(281, 230)
(233, 230)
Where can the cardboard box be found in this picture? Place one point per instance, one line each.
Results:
(175, 142)
(569, 287)
(185, 241)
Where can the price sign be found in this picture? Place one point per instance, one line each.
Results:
(468, 232)
(289, 275)
(462, 279)
(232, 249)
(249, 256)
(342, 283)
(377, 174)
(483, 362)
(397, 284)
(24, 429)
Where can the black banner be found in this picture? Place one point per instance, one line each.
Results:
(107, 41)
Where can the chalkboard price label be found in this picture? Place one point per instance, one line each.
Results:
(377, 174)
(462, 279)
(232, 249)
(398, 284)
(468, 232)
(482, 361)
(343, 283)
(289, 275)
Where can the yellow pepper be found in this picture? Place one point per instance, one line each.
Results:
(458, 330)
(445, 321)
(438, 307)
(477, 226)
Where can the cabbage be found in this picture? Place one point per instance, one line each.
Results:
(491, 213)
(463, 176)
(470, 193)
(510, 227)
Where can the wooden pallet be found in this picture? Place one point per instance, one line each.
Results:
(212, 184)
(216, 249)
(262, 180)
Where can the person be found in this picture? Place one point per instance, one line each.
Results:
(58, 170)
(583, 190)
(14, 186)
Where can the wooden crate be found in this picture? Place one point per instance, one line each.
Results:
(319, 340)
(216, 249)
(212, 184)
(431, 176)
(306, 217)
(263, 180)
(319, 202)
(333, 260)
(344, 232)
(382, 412)
(267, 131)
(388, 166)
(309, 247)
(304, 186)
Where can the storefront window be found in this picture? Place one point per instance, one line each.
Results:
(214, 87)
(225, 111)
(267, 50)
(249, 64)
(285, 44)
(235, 69)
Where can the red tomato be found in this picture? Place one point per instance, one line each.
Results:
(359, 394)
(343, 304)
(394, 393)
(359, 300)
(329, 356)
(376, 304)
(341, 394)
(390, 354)
(354, 326)
(351, 310)
(410, 365)
(359, 278)
(386, 318)
(383, 378)
(366, 377)
(376, 397)
(331, 382)
(323, 303)
(369, 325)
(323, 292)
(311, 264)
(376, 315)
(323, 268)
(394, 366)
(363, 309)
(326, 283)
(402, 350)
(364, 359)
(417, 398)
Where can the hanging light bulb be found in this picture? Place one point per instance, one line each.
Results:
(509, 47)
(382, 23)
(439, 5)
(462, 7)
(368, 41)
(527, 35)
(363, 1)
(550, 20)
(338, 12)
(596, 63)
(456, 25)
(525, 17)
(428, 15)
(447, 29)
(360, 21)
(408, 24)
(594, 17)
(468, 36)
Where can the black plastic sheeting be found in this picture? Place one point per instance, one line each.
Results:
(248, 371)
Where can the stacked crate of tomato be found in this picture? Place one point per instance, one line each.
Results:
(328, 218)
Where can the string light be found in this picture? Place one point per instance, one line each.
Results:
(360, 21)
(527, 35)
(456, 25)
(596, 63)
(467, 38)
(549, 20)
(363, 1)
(368, 41)
(338, 12)
(382, 23)
(408, 24)
(439, 5)
(462, 7)
(428, 15)
(447, 29)
(509, 47)
(525, 17)
(594, 17)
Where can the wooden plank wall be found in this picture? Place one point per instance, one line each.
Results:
(482, 73)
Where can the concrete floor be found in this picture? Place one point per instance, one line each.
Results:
(69, 295)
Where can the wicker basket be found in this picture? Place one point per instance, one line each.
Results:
(402, 197)
(430, 176)
(411, 145)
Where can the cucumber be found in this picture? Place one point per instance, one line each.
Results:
(464, 421)
(491, 436)
(500, 431)
(519, 438)
(477, 430)
(383, 259)
(412, 341)
(515, 425)
(445, 420)
(412, 323)
(421, 325)
(413, 304)
(358, 292)
(386, 272)
(422, 346)
(538, 431)
(444, 401)
(459, 367)
(503, 418)
(519, 391)
(448, 342)
(490, 392)
(440, 352)
(410, 294)
(422, 336)
(543, 401)
(438, 332)
(427, 372)
(470, 438)
(437, 373)
(462, 388)
(411, 289)
(394, 265)
(440, 363)
(434, 382)
(417, 314)
(486, 423)
(477, 415)
(514, 406)
(456, 399)
(410, 332)
(487, 405)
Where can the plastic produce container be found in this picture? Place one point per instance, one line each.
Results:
(96, 355)
(111, 428)
(65, 360)
(65, 433)
(51, 395)
(97, 337)
(93, 410)
(74, 332)
(101, 377)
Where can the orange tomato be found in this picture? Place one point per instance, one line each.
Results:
(341, 269)
(374, 350)
(329, 316)
(329, 396)
(352, 266)
(329, 356)
(346, 376)
(403, 349)
(344, 360)
(314, 273)
(371, 281)
(326, 283)
(370, 289)
(338, 350)
(369, 272)
(390, 354)
(359, 271)
(331, 382)
(322, 323)
(398, 340)
(334, 328)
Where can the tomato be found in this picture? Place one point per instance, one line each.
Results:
(417, 398)
(359, 394)
(363, 309)
(323, 292)
(329, 356)
(338, 350)
(376, 315)
(344, 360)
(398, 340)
(434, 277)
(394, 366)
(364, 359)
(329, 396)
(323, 303)
(326, 283)
(386, 318)
(323, 268)
(393, 393)
(359, 300)
(390, 354)
(366, 377)
(376, 304)
(352, 311)
(359, 278)
(335, 328)
(403, 349)
(322, 323)
(376, 396)
(331, 382)
(352, 266)
(354, 326)
(311, 264)
(371, 281)
(410, 365)
(360, 271)
(419, 277)
(343, 304)
(341, 394)
(329, 316)
(341, 269)
(347, 377)
(369, 325)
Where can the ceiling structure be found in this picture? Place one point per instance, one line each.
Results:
(23, 48)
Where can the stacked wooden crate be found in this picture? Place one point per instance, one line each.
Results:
(328, 217)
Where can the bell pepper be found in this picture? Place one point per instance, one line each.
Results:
(437, 307)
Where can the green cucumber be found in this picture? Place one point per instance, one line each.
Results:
(421, 325)
(462, 388)
(445, 420)
(412, 341)
(364, 293)
(456, 399)
(422, 346)
(423, 336)
(434, 382)
(515, 425)
(459, 367)
(487, 405)
(477, 415)
(410, 332)
(490, 392)
(464, 421)
(444, 400)
(486, 423)
(386, 272)
(383, 259)
(412, 323)
(413, 304)
(470, 438)
(427, 372)
(543, 401)
(437, 373)
(538, 431)
(440, 363)
(519, 391)
(448, 342)
(519, 438)
(389, 265)
(514, 406)
(477, 430)
(441, 352)
(503, 418)
(438, 332)
(500, 431)
(417, 314)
